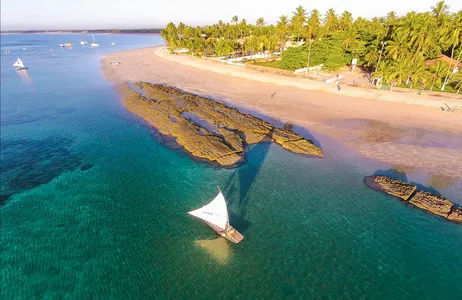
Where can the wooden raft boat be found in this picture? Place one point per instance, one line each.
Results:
(215, 214)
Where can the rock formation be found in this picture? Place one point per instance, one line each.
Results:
(391, 186)
(205, 128)
(435, 204)
(432, 203)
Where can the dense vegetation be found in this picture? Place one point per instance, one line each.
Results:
(397, 50)
(148, 30)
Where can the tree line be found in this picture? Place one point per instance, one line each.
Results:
(397, 50)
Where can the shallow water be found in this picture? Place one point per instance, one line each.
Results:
(94, 206)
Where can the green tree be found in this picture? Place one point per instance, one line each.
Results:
(314, 24)
(438, 71)
(299, 19)
(346, 20)
(330, 21)
(439, 10)
(282, 29)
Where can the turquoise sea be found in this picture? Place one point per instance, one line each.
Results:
(94, 206)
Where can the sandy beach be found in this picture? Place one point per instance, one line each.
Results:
(404, 130)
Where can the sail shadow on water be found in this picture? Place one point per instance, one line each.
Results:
(238, 185)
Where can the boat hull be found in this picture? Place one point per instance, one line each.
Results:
(21, 68)
(230, 233)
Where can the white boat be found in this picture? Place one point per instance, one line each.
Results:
(83, 42)
(113, 44)
(215, 214)
(19, 65)
(94, 44)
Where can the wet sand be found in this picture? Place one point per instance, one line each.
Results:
(409, 131)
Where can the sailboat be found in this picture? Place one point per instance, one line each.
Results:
(215, 214)
(19, 65)
(94, 44)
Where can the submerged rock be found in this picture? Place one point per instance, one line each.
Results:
(397, 188)
(435, 204)
(86, 167)
(228, 132)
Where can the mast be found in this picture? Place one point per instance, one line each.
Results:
(227, 219)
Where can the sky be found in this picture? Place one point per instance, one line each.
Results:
(131, 14)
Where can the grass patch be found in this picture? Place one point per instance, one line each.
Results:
(269, 64)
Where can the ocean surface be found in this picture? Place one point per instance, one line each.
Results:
(94, 206)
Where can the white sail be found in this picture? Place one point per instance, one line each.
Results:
(215, 212)
(18, 63)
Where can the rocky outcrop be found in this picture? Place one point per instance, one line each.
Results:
(205, 128)
(456, 214)
(432, 203)
(435, 204)
(391, 186)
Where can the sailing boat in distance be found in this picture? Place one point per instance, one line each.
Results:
(19, 65)
(94, 44)
(215, 214)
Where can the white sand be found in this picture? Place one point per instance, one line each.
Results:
(408, 131)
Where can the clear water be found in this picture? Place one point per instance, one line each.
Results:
(94, 206)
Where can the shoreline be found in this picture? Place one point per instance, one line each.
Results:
(307, 84)
(409, 136)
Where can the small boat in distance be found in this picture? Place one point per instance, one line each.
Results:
(113, 44)
(215, 214)
(94, 44)
(19, 65)
(83, 42)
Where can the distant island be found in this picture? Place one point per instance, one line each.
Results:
(147, 30)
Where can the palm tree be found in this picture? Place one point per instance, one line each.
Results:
(235, 19)
(349, 40)
(438, 70)
(314, 24)
(399, 47)
(399, 71)
(372, 55)
(407, 23)
(271, 43)
(391, 18)
(330, 21)
(452, 38)
(346, 20)
(439, 10)
(419, 72)
(243, 28)
(170, 35)
(282, 28)
(260, 22)
(299, 19)
(457, 79)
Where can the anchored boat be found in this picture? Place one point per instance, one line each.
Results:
(215, 214)
(94, 44)
(19, 65)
